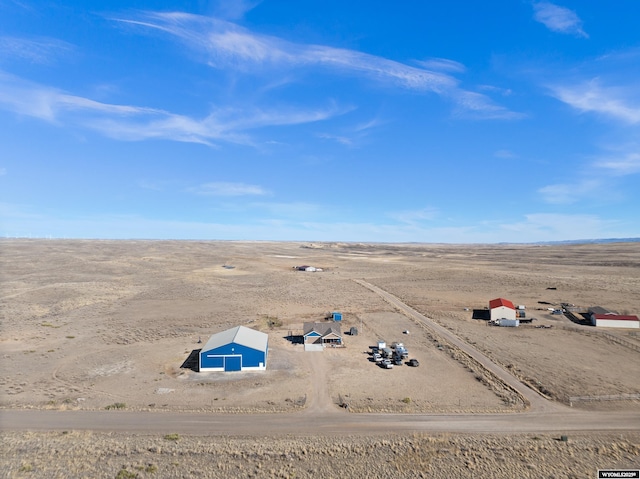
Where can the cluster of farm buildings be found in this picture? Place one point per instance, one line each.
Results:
(245, 349)
(503, 309)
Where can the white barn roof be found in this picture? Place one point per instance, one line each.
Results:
(240, 335)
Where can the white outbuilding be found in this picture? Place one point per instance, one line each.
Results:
(614, 321)
(501, 308)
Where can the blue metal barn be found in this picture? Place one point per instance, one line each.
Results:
(236, 349)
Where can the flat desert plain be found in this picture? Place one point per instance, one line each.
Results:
(110, 325)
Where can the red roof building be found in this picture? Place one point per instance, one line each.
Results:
(615, 321)
(502, 309)
(496, 303)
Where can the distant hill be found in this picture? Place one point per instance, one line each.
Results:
(592, 241)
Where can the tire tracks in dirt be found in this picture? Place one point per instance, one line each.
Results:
(530, 396)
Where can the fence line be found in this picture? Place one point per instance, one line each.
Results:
(611, 337)
(619, 340)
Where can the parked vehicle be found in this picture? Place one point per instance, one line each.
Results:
(402, 352)
(397, 361)
(377, 358)
(414, 363)
(386, 364)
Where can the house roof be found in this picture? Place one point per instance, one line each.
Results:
(600, 310)
(323, 329)
(240, 335)
(616, 317)
(496, 303)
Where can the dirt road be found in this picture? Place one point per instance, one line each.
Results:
(334, 423)
(536, 401)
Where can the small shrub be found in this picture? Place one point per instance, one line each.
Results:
(151, 468)
(172, 437)
(124, 474)
(70, 337)
(26, 468)
(406, 400)
(273, 322)
(116, 405)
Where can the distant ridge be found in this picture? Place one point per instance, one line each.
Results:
(592, 241)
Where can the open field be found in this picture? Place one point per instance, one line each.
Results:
(440, 456)
(92, 324)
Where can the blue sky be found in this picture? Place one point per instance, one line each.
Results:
(456, 122)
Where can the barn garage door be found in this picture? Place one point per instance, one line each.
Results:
(233, 363)
(215, 361)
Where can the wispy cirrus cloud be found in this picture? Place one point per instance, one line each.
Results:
(299, 210)
(413, 217)
(35, 50)
(476, 105)
(442, 64)
(619, 102)
(558, 19)
(556, 227)
(505, 154)
(568, 193)
(600, 174)
(222, 188)
(353, 136)
(135, 123)
(342, 139)
(223, 44)
(620, 163)
(31, 99)
(234, 9)
(604, 87)
(299, 222)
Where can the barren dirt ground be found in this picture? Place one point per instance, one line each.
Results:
(92, 324)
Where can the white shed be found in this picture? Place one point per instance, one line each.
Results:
(502, 309)
(614, 321)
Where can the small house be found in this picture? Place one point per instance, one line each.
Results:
(318, 335)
